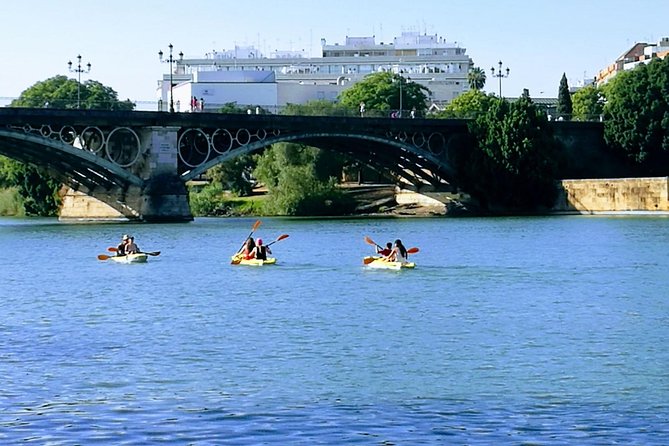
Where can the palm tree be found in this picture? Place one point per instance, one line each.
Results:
(476, 78)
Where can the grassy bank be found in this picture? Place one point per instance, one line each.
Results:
(214, 201)
(11, 203)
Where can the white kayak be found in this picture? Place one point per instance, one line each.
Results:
(140, 257)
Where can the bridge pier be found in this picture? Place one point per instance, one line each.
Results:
(162, 196)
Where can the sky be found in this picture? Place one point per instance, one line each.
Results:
(538, 40)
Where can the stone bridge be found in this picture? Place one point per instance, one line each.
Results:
(139, 162)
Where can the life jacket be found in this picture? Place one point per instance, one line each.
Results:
(261, 253)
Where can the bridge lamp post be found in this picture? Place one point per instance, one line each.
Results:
(170, 60)
(399, 81)
(500, 74)
(79, 70)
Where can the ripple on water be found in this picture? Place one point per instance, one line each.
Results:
(509, 331)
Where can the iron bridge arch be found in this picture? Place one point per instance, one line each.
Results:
(100, 167)
(411, 158)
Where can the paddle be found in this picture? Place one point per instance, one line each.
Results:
(278, 239)
(256, 225)
(369, 241)
(103, 257)
(151, 253)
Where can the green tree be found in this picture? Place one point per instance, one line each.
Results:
(320, 107)
(381, 92)
(38, 190)
(294, 185)
(476, 78)
(468, 105)
(326, 163)
(514, 164)
(564, 104)
(232, 108)
(61, 92)
(588, 104)
(637, 116)
(234, 175)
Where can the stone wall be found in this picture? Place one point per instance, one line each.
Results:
(81, 207)
(614, 195)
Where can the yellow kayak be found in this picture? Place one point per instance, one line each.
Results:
(379, 262)
(237, 260)
(131, 258)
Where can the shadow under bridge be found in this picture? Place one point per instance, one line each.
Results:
(414, 154)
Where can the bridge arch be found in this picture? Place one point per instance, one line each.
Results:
(79, 169)
(398, 155)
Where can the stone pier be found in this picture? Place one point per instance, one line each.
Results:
(162, 197)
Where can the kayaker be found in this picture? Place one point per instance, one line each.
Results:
(384, 251)
(131, 247)
(247, 249)
(260, 251)
(398, 253)
(120, 249)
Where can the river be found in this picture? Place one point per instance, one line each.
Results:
(546, 330)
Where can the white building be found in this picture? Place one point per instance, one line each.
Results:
(640, 52)
(245, 76)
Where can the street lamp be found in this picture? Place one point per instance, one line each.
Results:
(170, 60)
(79, 70)
(499, 75)
(400, 113)
(399, 80)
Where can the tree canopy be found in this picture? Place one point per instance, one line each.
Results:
(381, 93)
(476, 78)
(61, 92)
(564, 105)
(637, 116)
(37, 189)
(588, 104)
(466, 106)
(515, 161)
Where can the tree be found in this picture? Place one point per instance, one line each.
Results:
(381, 93)
(38, 190)
(294, 185)
(61, 92)
(476, 78)
(514, 164)
(234, 175)
(320, 107)
(588, 104)
(637, 116)
(468, 105)
(564, 105)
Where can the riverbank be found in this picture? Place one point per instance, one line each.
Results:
(611, 196)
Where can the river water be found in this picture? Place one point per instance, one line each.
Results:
(548, 331)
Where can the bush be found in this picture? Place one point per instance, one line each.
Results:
(11, 203)
(213, 201)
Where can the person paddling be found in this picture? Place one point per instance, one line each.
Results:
(260, 251)
(131, 247)
(247, 250)
(398, 253)
(384, 252)
(120, 249)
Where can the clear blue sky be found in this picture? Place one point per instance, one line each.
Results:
(538, 40)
